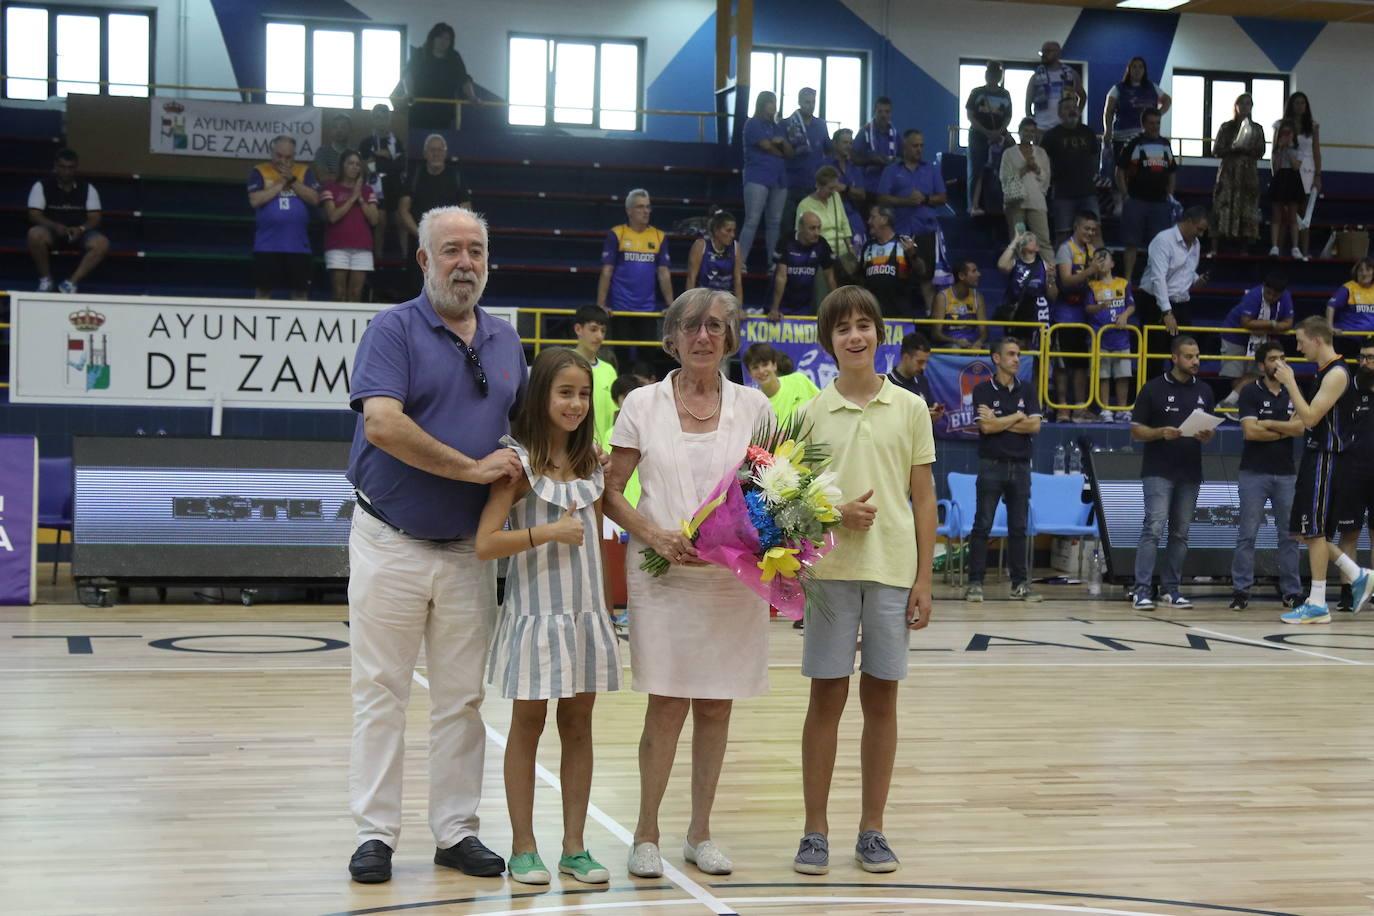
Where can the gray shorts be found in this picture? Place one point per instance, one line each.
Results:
(1233, 368)
(829, 646)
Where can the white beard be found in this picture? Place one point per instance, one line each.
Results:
(450, 300)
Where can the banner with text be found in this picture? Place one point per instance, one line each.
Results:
(952, 378)
(158, 351)
(229, 130)
(18, 519)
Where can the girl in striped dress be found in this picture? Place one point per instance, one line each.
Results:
(555, 639)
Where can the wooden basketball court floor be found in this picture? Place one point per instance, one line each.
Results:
(1068, 757)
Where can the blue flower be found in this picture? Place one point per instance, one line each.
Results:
(769, 533)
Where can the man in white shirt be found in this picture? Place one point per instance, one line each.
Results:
(1170, 275)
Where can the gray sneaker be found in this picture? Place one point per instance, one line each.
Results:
(974, 593)
(1023, 592)
(813, 855)
(873, 854)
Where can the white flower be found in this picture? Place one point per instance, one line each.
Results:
(778, 481)
(823, 487)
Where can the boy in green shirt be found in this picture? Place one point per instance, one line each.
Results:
(589, 327)
(878, 576)
(773, 372)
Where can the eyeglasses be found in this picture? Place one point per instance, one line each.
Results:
(479, 374)
(714, 327)
(1367, 357)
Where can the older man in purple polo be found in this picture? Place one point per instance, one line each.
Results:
(435, 381)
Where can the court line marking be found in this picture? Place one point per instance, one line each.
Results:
(1257, 642)
(699, 894)
(876, 900)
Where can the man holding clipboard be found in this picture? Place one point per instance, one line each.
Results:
(1172, 417)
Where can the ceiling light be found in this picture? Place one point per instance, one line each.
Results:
(1150, 4)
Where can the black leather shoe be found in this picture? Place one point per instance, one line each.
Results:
(471, 858)
(371, 863)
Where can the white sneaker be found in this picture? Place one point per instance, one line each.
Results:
(1297, 254)
(1274, 252)
(645, 862)
(708, 858)
(45, 285)
(67, 287)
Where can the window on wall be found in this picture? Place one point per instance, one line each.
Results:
(578, 82)
(333, 65)
(52, 50)
(840, 81)
(1204, 100)
(1016, 77)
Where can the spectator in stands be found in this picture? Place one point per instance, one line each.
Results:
(437, 184)
(827, 203)
(851, 187)
(1111, 304)
(1298, 112)
(765, 175)
(620, 390)
(891, 265)
(1052, 81)
(436, 72)
(589, 327)
(1350, 310)
(877, 145)
(1030, 286)
(714, 260)
(64, 209)
(327, 157)
(1266, 311)
(1171, 273)
(989, 110)
(1145, 176)
(910, 372)
(961, 301)
(1267, 475)
(1074, 269)
(385, 156)
(808, 138)
(1008, 421)
(1025, 175)
(1074, 156)
(800, 263)
(350, 207)
(1286, 195)
(282, 192)
(786, 388)
(634, 269)
(913, 188)
(1239, 144)
(1171, 471)
(1127, 102)
(425, 449)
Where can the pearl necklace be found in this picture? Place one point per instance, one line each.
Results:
(720, 396)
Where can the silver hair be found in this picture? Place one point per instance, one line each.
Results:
(633, 196)
(692, 307)
(439, 137)
(432, 216)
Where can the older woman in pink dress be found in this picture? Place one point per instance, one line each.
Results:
(698, 638)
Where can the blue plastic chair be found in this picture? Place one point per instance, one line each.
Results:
(1057, 508)
(55, 500)
(963, 493)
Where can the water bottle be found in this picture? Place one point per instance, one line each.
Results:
(1075, 460)
(1095, 571)
(1059, 458)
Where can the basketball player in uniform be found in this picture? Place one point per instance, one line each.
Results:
(1355, 478)
(1327, 410)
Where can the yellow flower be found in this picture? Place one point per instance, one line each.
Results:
(780, 560)
(689, 529)
(788, 449)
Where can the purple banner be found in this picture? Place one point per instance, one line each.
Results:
(18, 519)
(952, 378)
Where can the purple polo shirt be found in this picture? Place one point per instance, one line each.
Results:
(899, 181)
(1249, 307)
(409, 354)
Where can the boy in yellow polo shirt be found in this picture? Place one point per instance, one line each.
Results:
(876, 579)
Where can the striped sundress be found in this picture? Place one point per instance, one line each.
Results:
(554, 638)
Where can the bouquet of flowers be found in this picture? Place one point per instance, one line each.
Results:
(770, 519)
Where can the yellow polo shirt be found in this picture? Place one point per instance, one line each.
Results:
(874, 448)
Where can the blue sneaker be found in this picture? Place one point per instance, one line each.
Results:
(1308, 613)
(1361, 589)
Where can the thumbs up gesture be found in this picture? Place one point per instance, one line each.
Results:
(859, 514)
(567, 530)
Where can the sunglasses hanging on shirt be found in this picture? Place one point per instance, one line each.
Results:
(479, 374)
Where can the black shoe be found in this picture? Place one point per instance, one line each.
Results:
(1239, 601)
(371, 863)
(1346, 604)
(471, 858)
(799, 624)
(1292, 601)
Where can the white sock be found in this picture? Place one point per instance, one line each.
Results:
(1318, 594)
(1348, 567)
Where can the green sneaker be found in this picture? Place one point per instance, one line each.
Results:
(584, 868)
(528, 868)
